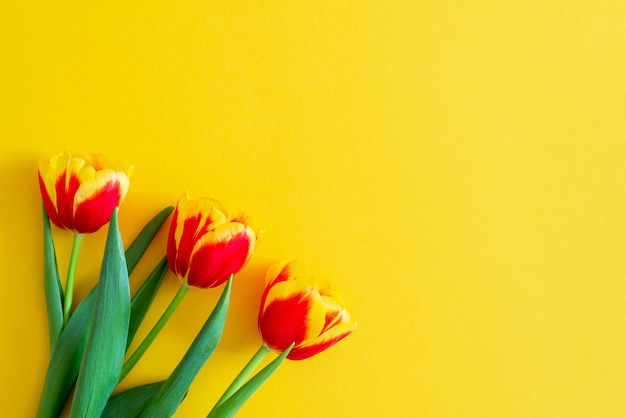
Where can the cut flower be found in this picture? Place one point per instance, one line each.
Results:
(297, 307)
(206, 243)
(80, 192)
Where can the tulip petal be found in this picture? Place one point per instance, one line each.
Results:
(335, 312)
(324, 341)
(280, 272)
(293, 313)
(48, 195)
(100, 162)
(66, 186)
(92, 182)
(95, 199)
(220, 253)
(192, 219)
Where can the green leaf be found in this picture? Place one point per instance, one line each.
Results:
(68, 354)
(143, 298)
(131, 402)
(231, 405)
(66, 359)
(138, 247)
(52, 285)
(166, 401)
(106, 339)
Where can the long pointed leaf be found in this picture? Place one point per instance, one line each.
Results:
(231, 405)
(138, 247)
(143, 299)
(66, 359)
(52, 285)
(106, 339)
(166, 401)
(131, 402)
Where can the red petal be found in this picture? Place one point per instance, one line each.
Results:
(66, 190)
(94, 212)
(284, 321)
(279, 272)
(187, 242)
(323, 342)
(215, 259)
(49, 204)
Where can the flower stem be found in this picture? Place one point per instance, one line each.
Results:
(71, 273)
(134, 358)
(244, 373)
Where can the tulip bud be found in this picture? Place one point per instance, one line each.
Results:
(206, 244)
(80, 192)
(297, 307)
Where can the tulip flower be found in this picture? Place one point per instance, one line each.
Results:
(206, 246)
(80, 192)
(300, 315)
(297, 307)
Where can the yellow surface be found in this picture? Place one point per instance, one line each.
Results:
(458, 166)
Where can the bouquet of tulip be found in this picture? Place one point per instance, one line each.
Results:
(300, 314)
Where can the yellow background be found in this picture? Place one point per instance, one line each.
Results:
(459, 167)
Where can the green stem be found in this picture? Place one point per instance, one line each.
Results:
(244, 373)
(134, 358)
(71, 273)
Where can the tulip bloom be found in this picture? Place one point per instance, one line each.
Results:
(299, 308)
(207, 244)
(300, 316)
(80, 192)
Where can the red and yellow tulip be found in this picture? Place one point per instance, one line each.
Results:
(300, 308)
(80, 192)
(206, 243)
